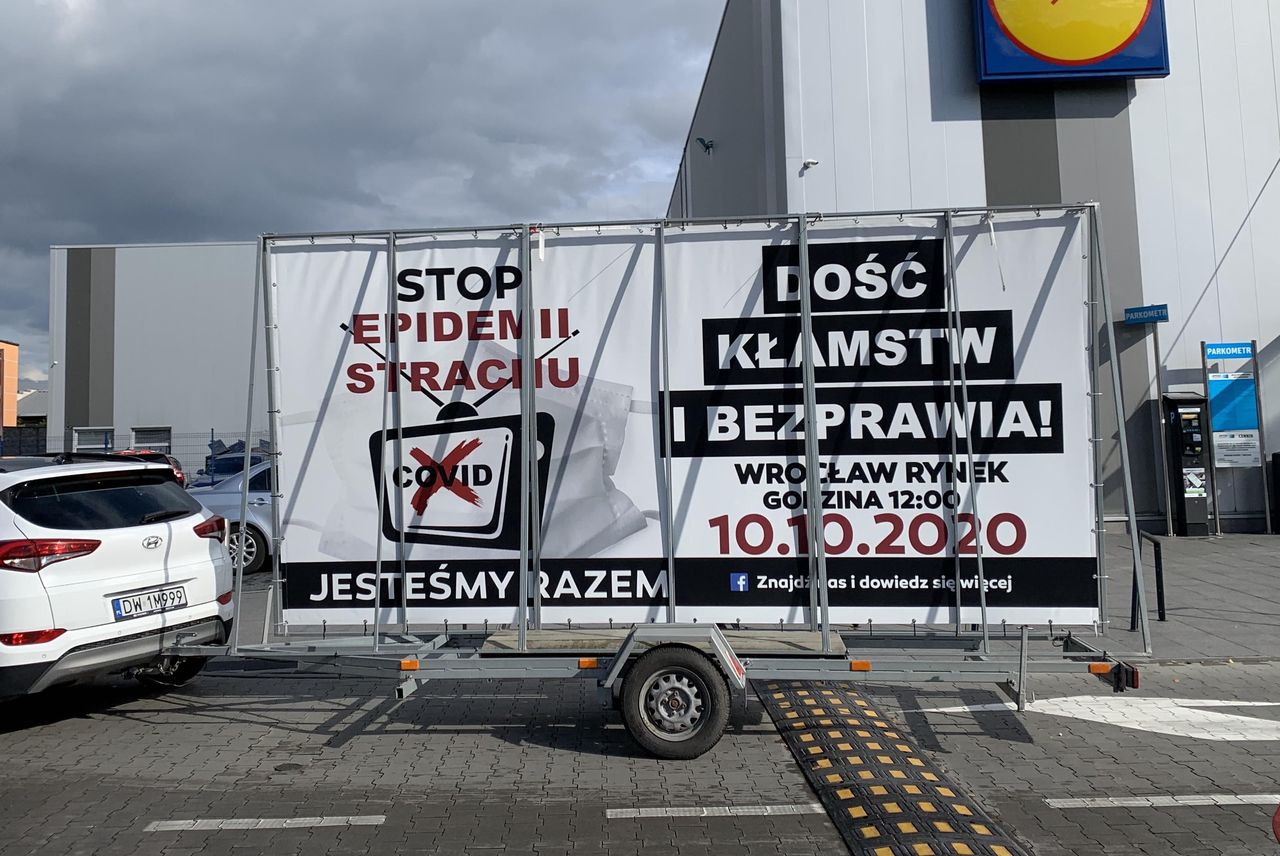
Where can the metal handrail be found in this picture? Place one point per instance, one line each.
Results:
(1158, 547)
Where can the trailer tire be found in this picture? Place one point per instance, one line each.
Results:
(675, 702)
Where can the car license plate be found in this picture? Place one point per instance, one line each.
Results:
(149, 603)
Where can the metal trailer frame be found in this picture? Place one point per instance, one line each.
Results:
(898, 656)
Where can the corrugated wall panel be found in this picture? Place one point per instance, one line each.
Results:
(1206, 145)
(883, 95)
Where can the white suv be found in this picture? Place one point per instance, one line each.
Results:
(104, 566)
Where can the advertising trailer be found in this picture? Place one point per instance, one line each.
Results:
(881, 418)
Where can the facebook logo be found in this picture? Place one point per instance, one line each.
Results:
(739, 582)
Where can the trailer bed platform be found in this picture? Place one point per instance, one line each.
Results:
(591, 640)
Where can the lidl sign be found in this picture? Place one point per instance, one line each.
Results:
(1028, 39)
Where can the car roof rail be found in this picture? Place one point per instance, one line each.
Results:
(72, 457)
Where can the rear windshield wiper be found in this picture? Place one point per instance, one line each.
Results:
(157, 516)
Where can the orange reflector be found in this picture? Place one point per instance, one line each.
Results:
(859, 665)
(409, 665)
(588, 662)
(1099, 668)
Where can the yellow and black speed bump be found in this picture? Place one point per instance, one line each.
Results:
(884, 795)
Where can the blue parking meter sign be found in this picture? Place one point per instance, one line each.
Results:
(1157, 313)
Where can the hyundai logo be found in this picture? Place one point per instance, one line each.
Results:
(152, 541)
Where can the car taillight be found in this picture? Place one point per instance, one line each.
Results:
(35, 554)
(31, 637)
(225, 599)
(214, 527)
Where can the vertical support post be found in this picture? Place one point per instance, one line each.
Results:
(955, 449)
(1022, 671)
(530, 380)
(392, 371)
(1118, 391)
(819, 609)
(1092, 302)
(527, 448)
(1159, 551)
(956, 356)
(1133, 602)
(1164, 440)
(668, 512)
(1262, 436)
(397, 423)
(271, 330)
(248, 432)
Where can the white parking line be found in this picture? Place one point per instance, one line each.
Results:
(1167, 802)
(264, 823)
(714, 811)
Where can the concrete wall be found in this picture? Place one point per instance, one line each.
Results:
(742, 173)
(1205, 150)
(883, 96)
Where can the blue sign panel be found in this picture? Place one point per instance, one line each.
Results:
(1233, 403)
(1155, 314)
(1030, 39)
(1228, 350)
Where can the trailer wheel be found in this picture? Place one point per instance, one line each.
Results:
(675, 702)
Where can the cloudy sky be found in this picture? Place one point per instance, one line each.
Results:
(157, 120)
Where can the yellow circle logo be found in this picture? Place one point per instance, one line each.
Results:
(1071, 32)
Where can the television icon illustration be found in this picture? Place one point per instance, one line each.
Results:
(458, 482)
(739, 582)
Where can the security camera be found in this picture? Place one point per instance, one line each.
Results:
(707, 145)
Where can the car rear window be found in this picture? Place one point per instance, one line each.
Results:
(101, 500)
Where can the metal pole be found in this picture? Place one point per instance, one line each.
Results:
(819, 609)
(393, 305)
(1164, 440)
(248, 431)
(526, 431)
(668, 513)
(1262, 436)
(956, 419)
(531, 379)
(1208, 440)
(272, 316)
(1159, 551)
(1099, 480)
(1118, 390)
(1022, 671)
(391, 370)
(671, 221)
(957, 357)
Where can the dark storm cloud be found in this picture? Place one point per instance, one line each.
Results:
(131, 121)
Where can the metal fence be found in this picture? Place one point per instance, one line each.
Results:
(198, 452)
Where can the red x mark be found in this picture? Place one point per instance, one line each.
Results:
(442, 478)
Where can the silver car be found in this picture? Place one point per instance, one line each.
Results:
(253, 537)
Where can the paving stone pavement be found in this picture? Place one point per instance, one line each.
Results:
(1223, 597)
(512, 767)
(497, 767)
(1013, 762)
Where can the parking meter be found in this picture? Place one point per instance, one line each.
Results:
(1187, 429)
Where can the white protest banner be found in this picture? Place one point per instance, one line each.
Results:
(442, 486)
(895, 499)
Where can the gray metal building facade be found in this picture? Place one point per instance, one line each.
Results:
(149, 346)
(884, 97)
